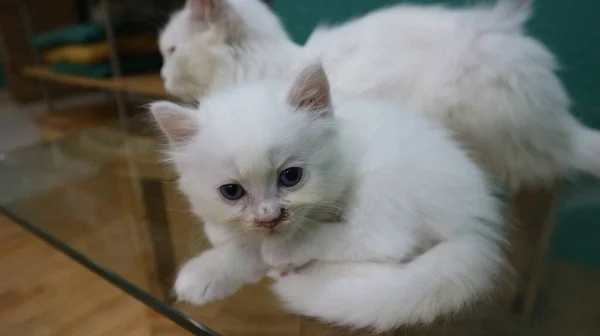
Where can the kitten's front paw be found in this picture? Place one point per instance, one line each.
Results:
(202, 280)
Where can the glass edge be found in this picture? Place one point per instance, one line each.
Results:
(155, 304)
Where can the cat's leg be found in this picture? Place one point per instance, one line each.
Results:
(220, 272)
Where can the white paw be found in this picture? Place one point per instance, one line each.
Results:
(204, 279)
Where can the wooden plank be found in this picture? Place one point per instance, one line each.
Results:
(46, 293)
(145, 84)
(532, 215)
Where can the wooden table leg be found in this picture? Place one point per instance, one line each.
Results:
(311, 327)
(160, 236)
(532, 214)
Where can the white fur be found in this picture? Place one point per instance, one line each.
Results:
(472, 68)
(219, 272)
(391, 224)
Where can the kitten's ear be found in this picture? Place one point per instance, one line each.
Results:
(310, 92)
(177, 122)
(218, 13)
(201, 9)
(212, 11)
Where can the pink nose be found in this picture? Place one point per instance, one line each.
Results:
(268, 217)
(269, 220)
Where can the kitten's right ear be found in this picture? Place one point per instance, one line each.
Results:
(310, 92)
(177, 122)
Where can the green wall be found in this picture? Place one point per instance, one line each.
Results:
(571, 28)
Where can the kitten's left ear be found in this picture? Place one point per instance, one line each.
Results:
(216, 12)
(177, 122)
(202, 9)
(310, 92)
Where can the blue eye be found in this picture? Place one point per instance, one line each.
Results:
(232, 192)
(290, 177)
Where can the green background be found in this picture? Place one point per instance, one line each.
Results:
(571, 29)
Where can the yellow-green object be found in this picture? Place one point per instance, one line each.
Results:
(86, 33)
(94, 53)
(129, 66)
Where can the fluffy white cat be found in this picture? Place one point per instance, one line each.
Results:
(208, 45)
(369, 214)
(471, 68)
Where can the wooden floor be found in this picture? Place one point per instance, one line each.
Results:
(43, 292)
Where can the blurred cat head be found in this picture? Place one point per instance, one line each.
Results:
(206, 39)
(263, 157)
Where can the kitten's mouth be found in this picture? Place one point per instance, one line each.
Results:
(273, 226)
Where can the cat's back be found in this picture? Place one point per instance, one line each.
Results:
(410, 163)
(380, 54)
(416, 55)
(389, 135)
(388, 20)
(397, 27)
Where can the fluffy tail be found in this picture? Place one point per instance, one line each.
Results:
(586, 150)
(445, 279)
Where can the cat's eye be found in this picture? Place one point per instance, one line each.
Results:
(290, 177)
(171, 50)
(232, 192)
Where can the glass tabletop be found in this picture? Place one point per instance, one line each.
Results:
(104, 197)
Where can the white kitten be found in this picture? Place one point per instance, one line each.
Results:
(212, 44)
(373, 214)
(473, 69)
